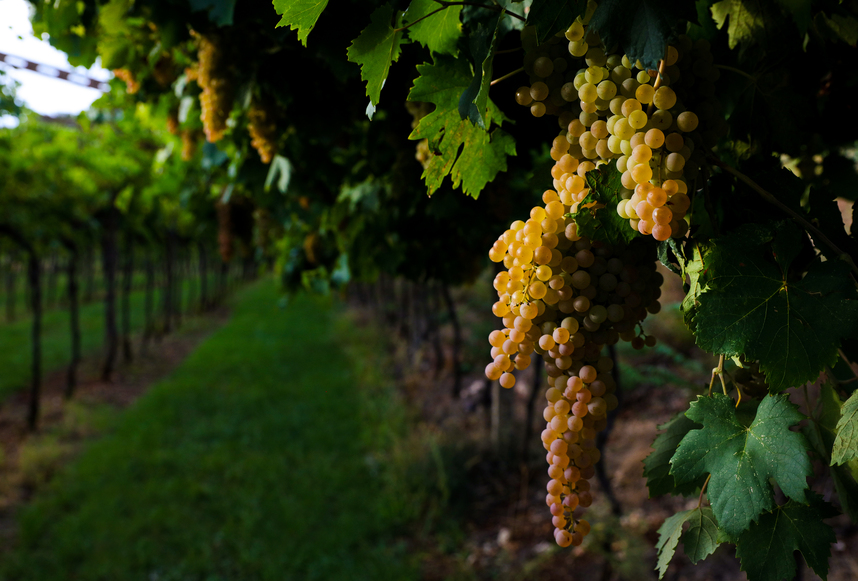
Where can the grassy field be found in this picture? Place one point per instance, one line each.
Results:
(257, 459)
(15, 344)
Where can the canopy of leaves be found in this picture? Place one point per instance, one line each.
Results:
(753, 306)
(741, 457)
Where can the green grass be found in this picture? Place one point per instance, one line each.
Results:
(15, 346)
(255, 460)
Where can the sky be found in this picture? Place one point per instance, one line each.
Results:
(42, 94)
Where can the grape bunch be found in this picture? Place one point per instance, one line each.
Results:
(565, 297)
(215, 81)
(612, 109)
(263, 131)
(189, 143)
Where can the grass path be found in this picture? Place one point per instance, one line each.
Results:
(249, 462)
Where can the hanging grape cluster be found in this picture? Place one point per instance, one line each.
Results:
(216, 82)
(263, 131)
(610, 108)
(566, 297)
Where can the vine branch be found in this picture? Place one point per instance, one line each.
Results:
(798, 217)
(506, 76)
(496, 8)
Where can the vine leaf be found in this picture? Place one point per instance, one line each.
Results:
(701, 538)
(642, 28)
(471, 156)
(375, 49)
(750, 306)
(474, 99)
(800, 11)
(741, 458)
(657, 465)
(821, 431)
(439, 32)
(699, 541)
(766, 548)
(744, 21)
(601, 222)
(846, 443)
(553, 16)
(668, 538)
(300, 15)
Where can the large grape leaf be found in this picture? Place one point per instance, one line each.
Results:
(471, 156)
(741, 458)
(300, 15)
(766, 548)
(375, 49)
(846, 443)
(439, 32)
(597, 216)
(474, 100)
(751, 307)
(659, 480)
(642, 28)
(553, 16)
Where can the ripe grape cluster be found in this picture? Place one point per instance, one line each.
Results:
(263, 131)
(214, 79)
(610, 108)
(565, 297)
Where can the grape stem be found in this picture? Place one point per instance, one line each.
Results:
(737, 71)
(506, 76)
(655, 86)
(798, 217)
(702, 490)
(445, 4)
(719, 372)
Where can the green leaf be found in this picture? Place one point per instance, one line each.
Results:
(553, 16)
(745, 21)
(474, 100)
(742, 458)
(657, 465)
(471, 156)
(668, 538)
(642, 28)
(841, 27)
(439, 32)
(377, 47)
(601, 221)
(694, 273)
(846, 443)
(750, 307)
(766, 549)
(300, 15)
(701, 538)
(821, 432)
